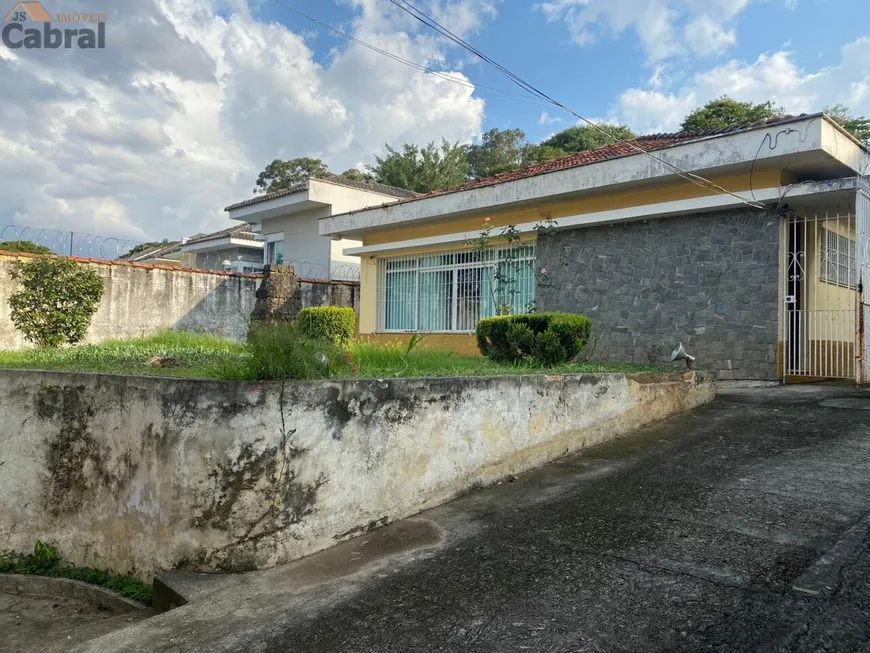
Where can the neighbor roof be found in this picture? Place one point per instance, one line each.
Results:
(371, 186)
(241, 232)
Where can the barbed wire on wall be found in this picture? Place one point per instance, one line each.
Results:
(63, 243)
(18, 238)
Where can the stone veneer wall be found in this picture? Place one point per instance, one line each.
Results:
(708, 280)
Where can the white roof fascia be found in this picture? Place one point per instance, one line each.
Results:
(629, 214)
(700, 155)
(254, 212)
(220, 243)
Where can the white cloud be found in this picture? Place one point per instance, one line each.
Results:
(665, 28)
(153, 136)
(773, 77)
(547, 119)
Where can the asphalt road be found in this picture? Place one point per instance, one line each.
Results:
(743, 526)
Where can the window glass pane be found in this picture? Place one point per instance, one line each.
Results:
(436, 301)
(400, 301)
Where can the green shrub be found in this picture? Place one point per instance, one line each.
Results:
(543, 338)
(45, 561)
(57, 300)
(282, 351)
(328, 323)
(24, 246)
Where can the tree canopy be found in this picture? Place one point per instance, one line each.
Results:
(356, 175)
(724, 113)
(504, 151)
(141, 247)
(281, 175)
(858, 126)
(583, 138)
(422, 169)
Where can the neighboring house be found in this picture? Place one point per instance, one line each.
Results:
(653, 256)
(235, 249)
(287, 221)
(168, 253)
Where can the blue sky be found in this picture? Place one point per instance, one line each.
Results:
(154, 136)
(590, 78)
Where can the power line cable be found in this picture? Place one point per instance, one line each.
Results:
(410, 9)
(451, 78)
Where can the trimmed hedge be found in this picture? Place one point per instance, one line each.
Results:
(328, 323)
(544, 338)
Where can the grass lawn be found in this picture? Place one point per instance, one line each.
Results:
(203, 356)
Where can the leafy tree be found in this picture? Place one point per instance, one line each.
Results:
(724, 113)
(57, 300)
(141, 247)
(506, 150)
(499, 151)
(422, 169)
(356, 175)
(535, 154)
(281, 175)
(581, 139)
(858, 126)
(24, 246)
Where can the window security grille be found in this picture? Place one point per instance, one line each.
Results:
(450, 291)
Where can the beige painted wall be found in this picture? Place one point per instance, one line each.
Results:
(142, 299)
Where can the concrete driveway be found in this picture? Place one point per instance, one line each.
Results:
(743, 526)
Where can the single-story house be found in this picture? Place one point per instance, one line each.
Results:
(235, 249)
(287, 222)
(165, 253)
(748, 245)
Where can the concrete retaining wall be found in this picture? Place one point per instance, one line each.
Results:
(141, 474)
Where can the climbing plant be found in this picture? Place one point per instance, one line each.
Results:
(57, 300)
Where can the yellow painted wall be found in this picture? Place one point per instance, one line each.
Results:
(824, 296)
(591, 204)
(460, 343)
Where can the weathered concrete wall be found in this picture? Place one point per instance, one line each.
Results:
(710, 281)
(142, 474)
(142, 299)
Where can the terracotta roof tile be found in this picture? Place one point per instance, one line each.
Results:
(649, 143)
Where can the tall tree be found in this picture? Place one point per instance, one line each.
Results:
(858, 126)
(356, 175)
(422, 169)
(504, 151)
(724, 113)
(281, 175)
(498, 151)
(581, 139)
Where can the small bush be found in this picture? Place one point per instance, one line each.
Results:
(282, 351)
(45, 561)
(543, 338)
(57, 300)
(328, 323)
(24, 246)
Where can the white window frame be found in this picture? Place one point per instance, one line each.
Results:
(838, 263)
(269, 249)
(461, 259)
